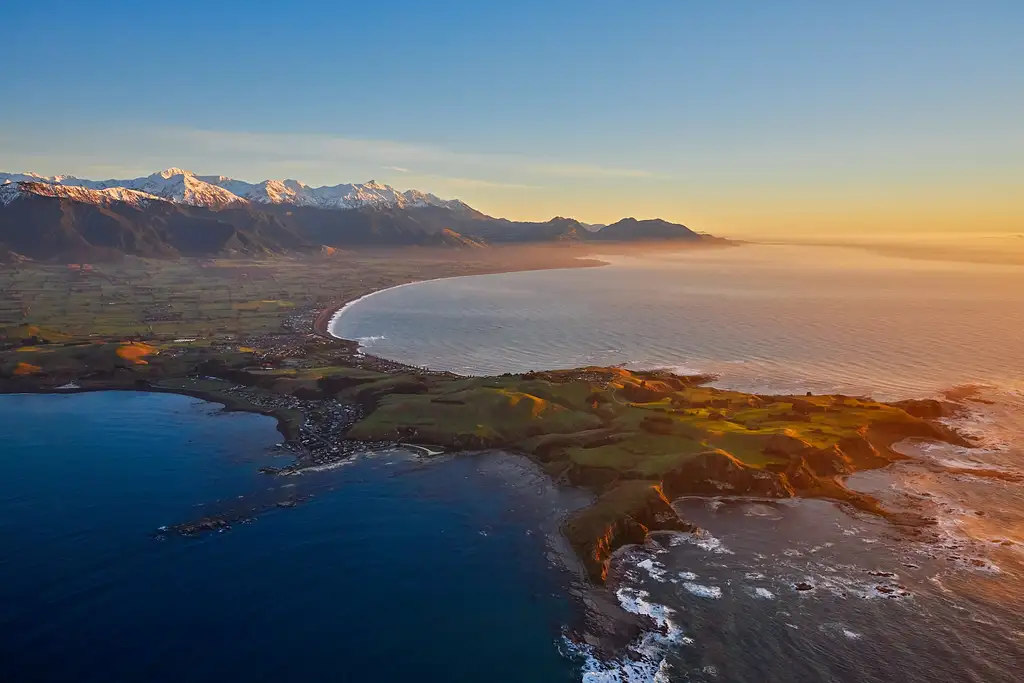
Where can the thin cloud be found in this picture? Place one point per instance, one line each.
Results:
(129, 151)
(591, 171)
(330, 150)
(321, 148)
(476, 182)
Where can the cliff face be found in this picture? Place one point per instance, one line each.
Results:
(621, 516)
(719, 473)
(629, 510)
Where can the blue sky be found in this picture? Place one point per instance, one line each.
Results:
(736, 117)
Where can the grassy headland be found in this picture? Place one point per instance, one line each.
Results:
(639, 439)
(244, 335)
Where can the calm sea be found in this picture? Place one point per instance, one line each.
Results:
(881, 607)
(404, 572)
(779, 316)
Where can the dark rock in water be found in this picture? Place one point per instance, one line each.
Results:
(269, 470)
(887, 575)
(286, 504)
(202, 525)
(803, 586)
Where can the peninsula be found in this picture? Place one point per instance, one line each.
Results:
(635, 439)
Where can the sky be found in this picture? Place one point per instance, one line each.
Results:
(733, 117)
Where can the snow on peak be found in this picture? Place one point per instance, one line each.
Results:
(168, 173)
(10, 191)
(217, 191)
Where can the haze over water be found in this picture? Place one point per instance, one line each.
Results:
(782, 317)
(942, 606)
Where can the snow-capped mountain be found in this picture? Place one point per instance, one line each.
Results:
(176, 213)
(184, 187)
(9, 191)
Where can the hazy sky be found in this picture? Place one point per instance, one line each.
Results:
(733, 117)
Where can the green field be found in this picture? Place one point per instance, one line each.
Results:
(209, 298)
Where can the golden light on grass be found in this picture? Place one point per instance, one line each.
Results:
(23, 369)
(136, 352)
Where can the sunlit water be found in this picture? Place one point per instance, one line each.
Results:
(785, 317)
(947, 606)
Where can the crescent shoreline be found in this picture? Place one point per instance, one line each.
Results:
(326, 317)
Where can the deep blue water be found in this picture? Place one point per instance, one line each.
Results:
(405, 572)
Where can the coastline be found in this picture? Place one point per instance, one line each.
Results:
(327, 316)
(321, 324)
(655, 506)
(325, 328)
(600, 627)
(618, 627)
(228, 406)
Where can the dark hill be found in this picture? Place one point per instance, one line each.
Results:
(44, 228)
(374, 227)
(41, 226)
(630, 229)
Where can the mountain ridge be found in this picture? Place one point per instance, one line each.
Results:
(216, 191)
(175, 213)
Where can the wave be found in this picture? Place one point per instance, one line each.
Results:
(646, 661)
(702, 591)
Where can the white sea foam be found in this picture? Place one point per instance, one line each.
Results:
(655, 569)
(681, 370)
(649, 664)
(596, 670)
(701, 591)
(842, 582)
(367, 341)
(636, 601)
(763, 593)
(702, 539)
(338, 464)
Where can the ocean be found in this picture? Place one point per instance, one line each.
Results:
(395, 570)
(799, 590)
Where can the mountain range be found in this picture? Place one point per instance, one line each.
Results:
(177, 213)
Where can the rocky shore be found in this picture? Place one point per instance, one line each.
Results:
(634, 440)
